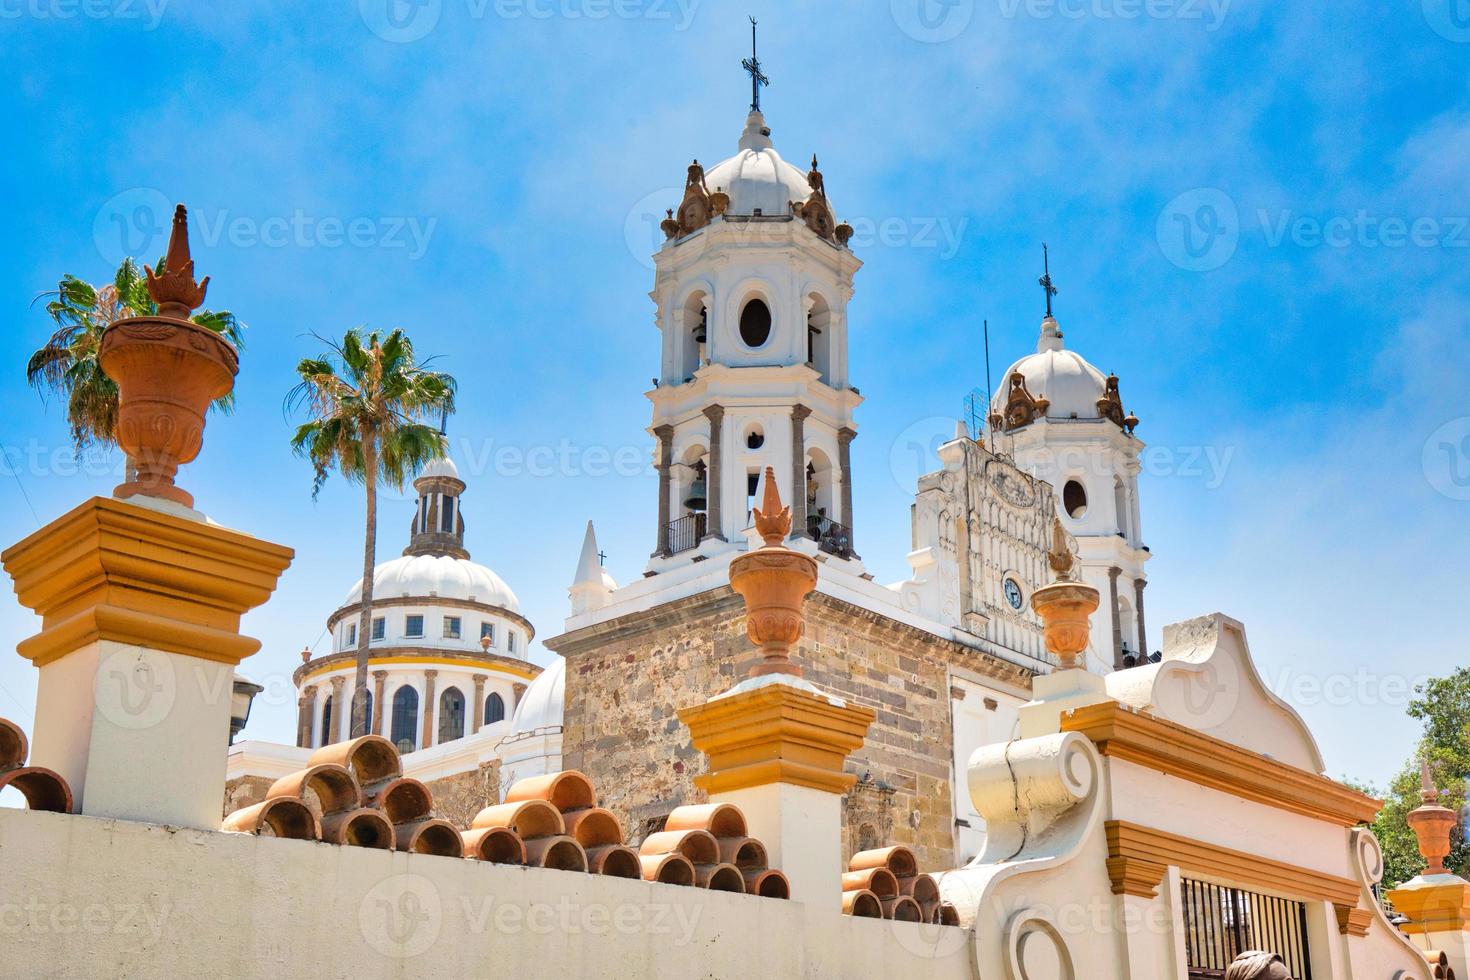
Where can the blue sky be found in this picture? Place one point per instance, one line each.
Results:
(1257, 214)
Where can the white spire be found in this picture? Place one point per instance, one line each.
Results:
(756, 135)
(1051, 335)
(592, 585)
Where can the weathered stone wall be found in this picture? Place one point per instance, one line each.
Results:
(459, 797)
(627, 679)
(244, 791)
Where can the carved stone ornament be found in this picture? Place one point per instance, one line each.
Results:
(815, 210)
(1010, 485)
(1110, 405)
(774, 581)
(696, 210)
(1022, 408)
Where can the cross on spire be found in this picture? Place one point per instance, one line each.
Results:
(757, 77)
(1045, 281)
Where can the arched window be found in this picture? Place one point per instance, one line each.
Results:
(327, 733)
(451, 715)
(755, 323)
(1121, 509)
(404, 731)
(1074, 500)
(494, 709)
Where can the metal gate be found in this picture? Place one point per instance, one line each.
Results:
(1221, 923)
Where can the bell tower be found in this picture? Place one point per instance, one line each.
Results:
(752, 285)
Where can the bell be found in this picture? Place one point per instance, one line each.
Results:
(696, 500)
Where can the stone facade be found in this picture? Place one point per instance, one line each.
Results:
(459, 797)
(627, 679)
(244, 791)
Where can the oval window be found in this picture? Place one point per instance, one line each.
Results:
(1074, 499)
(755, 323)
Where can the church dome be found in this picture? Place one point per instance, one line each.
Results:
(543, 703)
(756, 178)
(443, 467)
(1064, 378)
(439, 576)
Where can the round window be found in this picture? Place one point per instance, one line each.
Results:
(755, 323)
(1074, 499)
(755, 438)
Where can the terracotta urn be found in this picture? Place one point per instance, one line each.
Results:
(1065, 608)
(168, 372)
(1431, 824)
(774, 581)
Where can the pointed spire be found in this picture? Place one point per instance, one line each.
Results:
(591, 585)
(1428, 792)
(1431, 824)
(173, 287)
(772, 520)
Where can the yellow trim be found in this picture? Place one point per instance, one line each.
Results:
(1433, 908)
(1131, 845)
(1137, 737)
(349, 665)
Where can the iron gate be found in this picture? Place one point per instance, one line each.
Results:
(1220, 923)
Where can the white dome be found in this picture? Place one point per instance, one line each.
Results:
(420, 576)
(544, 702)
(757, 177)
(1064, 378)
(440, 467)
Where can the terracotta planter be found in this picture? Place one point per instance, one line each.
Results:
(775, 582)
(1064, 608)
(168, 372)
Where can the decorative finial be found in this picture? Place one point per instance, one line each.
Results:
(772, 520)
(1431, 824)
(485, 643)
(757, 77)
(173, 287)
(1066, 604)
(814, 161)
(775, 581)
(305, 654)
(1045, 281)
(1060, 557)
(1428, 792)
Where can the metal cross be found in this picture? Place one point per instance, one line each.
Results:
(602, 558)
(757, 77)
(1045, 281)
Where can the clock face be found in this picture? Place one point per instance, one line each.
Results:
(1013, 594)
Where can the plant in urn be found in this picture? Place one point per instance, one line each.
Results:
(1066, 604)
(168, 372)
(775, 581)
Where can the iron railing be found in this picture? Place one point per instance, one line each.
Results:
(686, 532)
(1220, 923)
(831, 537)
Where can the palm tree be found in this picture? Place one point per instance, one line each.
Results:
(67, 363)
(367, 398)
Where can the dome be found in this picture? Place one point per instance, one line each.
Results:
(544, 702)
(440, 467)
(1063, 377)
(757, 177)
(443, 576)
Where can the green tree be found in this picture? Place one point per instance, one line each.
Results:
(1443, 705)
(67, 364)
(368, 399)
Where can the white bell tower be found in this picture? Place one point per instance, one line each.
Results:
(752, 287)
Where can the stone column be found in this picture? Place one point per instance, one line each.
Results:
(1138, 585)
(665, 434)
(799, 414)
(714, 478)
(477, 713)
(304, 705)
(430, 679)
(341, 713)
(380, 678)
(845, 436)
(1113, 574)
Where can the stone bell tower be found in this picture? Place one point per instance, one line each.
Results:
(752, 289)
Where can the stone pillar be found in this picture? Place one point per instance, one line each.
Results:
(1138, 585)
(430, 680)
(380, 679)
(714, 479)
(845, 436)
(665, 434)
(304, 706)
(341, 713)
(1113, 574)
(477, 713)
(140, 612)
(799, 415)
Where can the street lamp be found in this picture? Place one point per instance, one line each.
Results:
(242, 694)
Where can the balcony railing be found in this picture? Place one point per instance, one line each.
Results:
(686, 532)
(831, 537)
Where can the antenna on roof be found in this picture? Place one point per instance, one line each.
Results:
(989, 393)
(757, 77)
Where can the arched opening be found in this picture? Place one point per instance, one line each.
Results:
(821, 478)
(691, 500)
(867, 838)
(326, 733)
(1127, 624)
(494, 709)
(1074, 500)
(451, 715)
(819, 336)
(694, 344)
(404, 730)
(755, 323)
(1122, 510)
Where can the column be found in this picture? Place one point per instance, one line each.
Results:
(665, 434)
(304, 705)
(715, 478)
(799, 414)
(1138, 585)
(1113, 574)
(341, 713)
(430, 678)
(845, 436)
(380, 678)
(477, 714)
